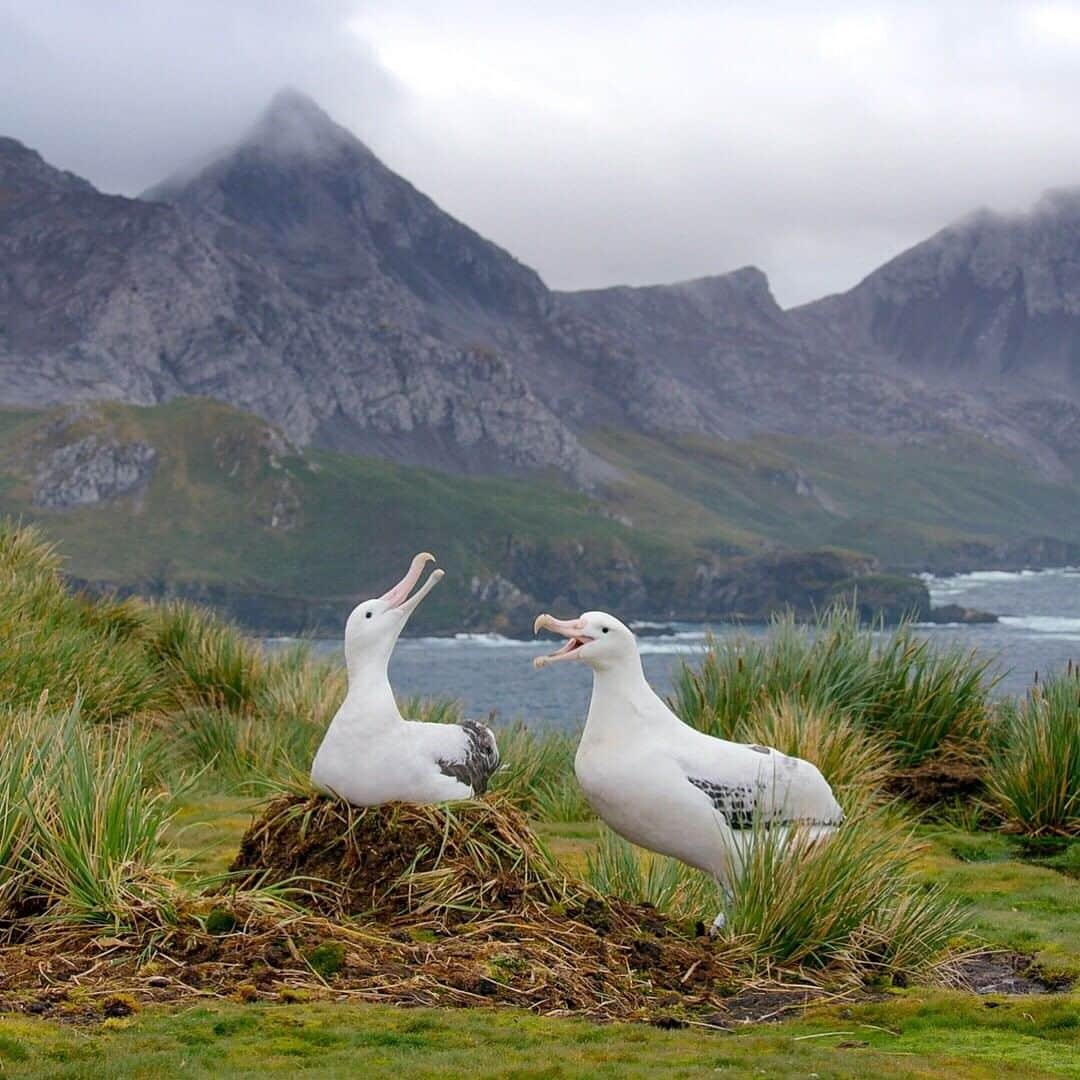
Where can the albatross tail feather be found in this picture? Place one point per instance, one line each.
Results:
(479, 761)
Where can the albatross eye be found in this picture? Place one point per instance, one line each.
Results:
(604, 629)
(367, 614)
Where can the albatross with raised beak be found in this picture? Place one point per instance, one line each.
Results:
(371, 754)
(664, 785)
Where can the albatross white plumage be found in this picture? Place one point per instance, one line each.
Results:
(664, 785)
(370, 753)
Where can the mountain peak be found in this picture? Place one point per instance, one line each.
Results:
(23, 169)
(1060, 202)
(292, 125)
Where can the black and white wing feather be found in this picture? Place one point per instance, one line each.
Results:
(781, 792)
(475, 766)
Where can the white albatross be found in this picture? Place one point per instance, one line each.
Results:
(667, 787)
(370, 753)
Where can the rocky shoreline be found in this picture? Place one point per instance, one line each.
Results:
(744, 589)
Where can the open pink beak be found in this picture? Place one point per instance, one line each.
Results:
(398, 596)
(571, 629)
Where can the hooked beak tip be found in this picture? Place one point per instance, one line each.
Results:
(539, 623)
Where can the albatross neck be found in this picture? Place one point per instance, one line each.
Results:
(370, 693)
(621, 680)
(623, 704)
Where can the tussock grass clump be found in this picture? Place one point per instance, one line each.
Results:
(854, 761)
(219, 706)
(270, 740)
(618, 868)
(923, 701)
(452, 862)
(850, 906)
(537, 774)
(83, 833)
(1034, 780)
(852, 902)
(208, 661)
(58, 643)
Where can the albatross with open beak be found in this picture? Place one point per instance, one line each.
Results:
(664, 785)
(371, 754)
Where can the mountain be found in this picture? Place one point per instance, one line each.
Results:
(928, 417)
(296, 277)
(989, 305)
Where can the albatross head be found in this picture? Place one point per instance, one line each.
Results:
(373, 627)
(596, 638)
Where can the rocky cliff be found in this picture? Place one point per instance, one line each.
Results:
(296, 277)
(989, 306)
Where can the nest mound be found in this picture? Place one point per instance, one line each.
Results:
(419, 905)
(456, 863)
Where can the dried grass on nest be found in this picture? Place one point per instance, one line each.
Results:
(629, 965)
(453, 863)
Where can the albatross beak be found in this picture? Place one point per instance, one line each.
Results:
(573, 629)
(398, 596)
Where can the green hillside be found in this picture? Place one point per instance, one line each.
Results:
(911, 506)
(233, 515)
(352, 525)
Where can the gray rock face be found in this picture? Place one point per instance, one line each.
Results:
(92, 470)
(989, 306)
(741, 365)
(298, 278)
(993, 296)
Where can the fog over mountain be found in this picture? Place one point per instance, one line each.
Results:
(616, 143)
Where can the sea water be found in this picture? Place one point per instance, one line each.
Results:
(1039, 631)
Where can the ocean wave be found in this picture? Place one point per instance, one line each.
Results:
(1050, 625)
(660, 647)
(958, 581)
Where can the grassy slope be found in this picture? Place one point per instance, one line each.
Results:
(899, 504)
(205, 515)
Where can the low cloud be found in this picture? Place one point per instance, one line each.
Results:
(613, 142)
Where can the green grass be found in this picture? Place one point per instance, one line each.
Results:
(217, 480)
(83, 829)
(906, 505)
(1035, 777)
(922, 701)
(1011, 901)
(941, 1035)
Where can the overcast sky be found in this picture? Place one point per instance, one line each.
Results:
(602, 142)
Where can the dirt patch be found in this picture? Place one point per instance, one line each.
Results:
(938, 780)
(1006, 973)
